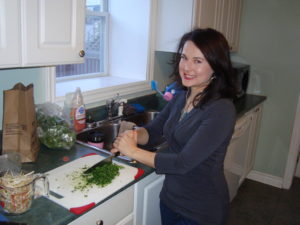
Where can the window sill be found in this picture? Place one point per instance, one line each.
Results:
(96, 90)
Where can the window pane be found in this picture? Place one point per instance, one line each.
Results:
(96, 5)
(95, 24)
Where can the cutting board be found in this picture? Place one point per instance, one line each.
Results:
(61, 184)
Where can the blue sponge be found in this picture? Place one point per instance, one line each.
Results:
(138, 107)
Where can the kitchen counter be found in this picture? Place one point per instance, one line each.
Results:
(247, 102)
(45, 212)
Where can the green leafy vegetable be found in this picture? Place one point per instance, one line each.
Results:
(54, 132)
(100, 176)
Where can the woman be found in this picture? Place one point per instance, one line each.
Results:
(197, 125)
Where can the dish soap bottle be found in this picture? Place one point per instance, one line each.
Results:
(78, 115)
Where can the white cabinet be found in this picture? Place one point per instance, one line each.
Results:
(254, 133)
(10, 31)
(176, 17)
(236, 156)
(138, 205)
(117, 210)
(146, 203)
(240, 154)
(41, 32)
(128, 220)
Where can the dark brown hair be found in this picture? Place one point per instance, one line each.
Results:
(215, 49)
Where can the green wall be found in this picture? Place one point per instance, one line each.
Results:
(8, 78)
(270, 42)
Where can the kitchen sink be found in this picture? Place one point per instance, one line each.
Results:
(141, 119)
(110, 130)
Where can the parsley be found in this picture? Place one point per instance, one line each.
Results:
(100, 176)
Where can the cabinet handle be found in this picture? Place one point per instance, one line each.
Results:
(82, 53)
(99, 222)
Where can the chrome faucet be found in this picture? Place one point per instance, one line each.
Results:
(112, 105)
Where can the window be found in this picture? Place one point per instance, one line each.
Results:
(118, 56)
(95, 45)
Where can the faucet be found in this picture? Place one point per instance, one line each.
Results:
(112, 105)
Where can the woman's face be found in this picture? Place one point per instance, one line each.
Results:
(194, 70)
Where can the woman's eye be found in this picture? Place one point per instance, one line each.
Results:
(198, 61)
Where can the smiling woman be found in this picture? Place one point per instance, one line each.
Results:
(194, 190)
(117, 52)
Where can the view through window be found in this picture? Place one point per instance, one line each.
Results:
(95, 44)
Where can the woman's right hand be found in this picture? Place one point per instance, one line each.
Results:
(125, 125)
(126, 143)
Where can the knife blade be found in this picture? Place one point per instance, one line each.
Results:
(106, 160)
(101, 163)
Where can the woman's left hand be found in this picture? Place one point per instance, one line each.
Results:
(126, 143)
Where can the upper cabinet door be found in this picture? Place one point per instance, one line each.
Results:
(233, 23)
(52, 31)
(222, 15)
(176, 17)
(10, 53)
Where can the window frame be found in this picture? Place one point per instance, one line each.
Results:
(105, 15)
(98, 96)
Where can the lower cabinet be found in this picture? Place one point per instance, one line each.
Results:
(146, 203)
(136, 205)
(128, 220)
(117, 210)
(240, 154)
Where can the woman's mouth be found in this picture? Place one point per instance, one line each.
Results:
(188, 77)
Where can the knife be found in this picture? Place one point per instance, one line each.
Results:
(101, 163)
(106, 160)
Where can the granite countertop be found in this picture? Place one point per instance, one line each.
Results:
(45, 212)
(247, 102)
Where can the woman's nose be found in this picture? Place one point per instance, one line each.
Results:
(187, 65)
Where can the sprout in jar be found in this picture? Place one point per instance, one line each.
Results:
(16, 192)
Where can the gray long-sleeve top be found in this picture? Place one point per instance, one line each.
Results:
(194, 184)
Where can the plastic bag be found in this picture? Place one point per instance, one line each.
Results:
(10, 162)
(54, 129)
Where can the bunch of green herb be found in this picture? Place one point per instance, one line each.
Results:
(54, 132)
(100, 176)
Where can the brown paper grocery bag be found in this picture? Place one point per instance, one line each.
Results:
(19, 123)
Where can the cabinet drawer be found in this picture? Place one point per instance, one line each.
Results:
(110, 212)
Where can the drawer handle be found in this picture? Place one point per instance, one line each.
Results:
(99, 222)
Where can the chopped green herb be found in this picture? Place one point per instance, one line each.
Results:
(100, 176)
